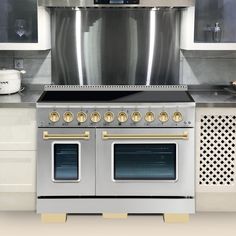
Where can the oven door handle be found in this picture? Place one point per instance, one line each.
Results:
(84, 136)
(107, 136)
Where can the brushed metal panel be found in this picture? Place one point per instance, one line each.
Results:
(45, 184)
(111, 46)
(105, 186)
(116, 205)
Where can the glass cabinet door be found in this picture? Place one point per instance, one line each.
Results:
(18, 21)
(215, 21)
(145, 161)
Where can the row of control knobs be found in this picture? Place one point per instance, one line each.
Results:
(109, 117)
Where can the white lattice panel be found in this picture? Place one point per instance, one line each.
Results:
(215, 149)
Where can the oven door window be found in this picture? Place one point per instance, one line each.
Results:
(145, 161)
(66, 161)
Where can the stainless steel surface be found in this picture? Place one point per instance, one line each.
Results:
(212, 98)
(45, 185)
(105, 186)
(203, 96)
(24, 99)
(117, 205)
(90, 3)
(187, 111)
(109, 46)
(111, 124)
(116, 87)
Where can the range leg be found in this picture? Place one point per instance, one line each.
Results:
(176, 218)
(53, 218)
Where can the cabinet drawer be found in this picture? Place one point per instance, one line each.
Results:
(17, 171)
(17, 129)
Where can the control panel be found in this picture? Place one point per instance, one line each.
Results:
(162, 116)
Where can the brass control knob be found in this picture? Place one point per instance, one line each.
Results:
(150, 117)
(95, 117)
(109, 116)
(122, 117)
(177, 117)
(68, 117)
(163, 117)
(136, 116)
(81, 117)
(54, 116)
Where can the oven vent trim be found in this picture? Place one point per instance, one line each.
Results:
(116, 87)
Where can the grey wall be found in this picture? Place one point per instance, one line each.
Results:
(207, 67)
(196, 67)
(36, 63)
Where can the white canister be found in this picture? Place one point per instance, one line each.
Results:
(10, 81)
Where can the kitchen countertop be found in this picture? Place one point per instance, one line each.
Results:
(25, 99)
(217, 96)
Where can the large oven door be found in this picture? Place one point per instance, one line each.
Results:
(145, 162)
(66, 162)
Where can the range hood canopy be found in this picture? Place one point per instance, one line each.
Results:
(116, 3)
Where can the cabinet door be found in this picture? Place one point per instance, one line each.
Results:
(17, 171)
(17, 129)
(215, 21)
(18, 21)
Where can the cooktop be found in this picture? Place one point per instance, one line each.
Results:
(103, 96)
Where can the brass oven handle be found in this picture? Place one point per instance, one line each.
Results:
(106, 136)
(84, 136)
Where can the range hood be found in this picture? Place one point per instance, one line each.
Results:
(116, 3)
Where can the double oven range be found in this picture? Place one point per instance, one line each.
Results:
(115, 149)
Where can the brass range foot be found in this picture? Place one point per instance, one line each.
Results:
(176, 218)
(115, 215)
(53, 218)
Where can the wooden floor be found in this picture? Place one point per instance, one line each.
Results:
(29, 224)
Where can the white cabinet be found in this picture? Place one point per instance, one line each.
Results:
(26, 28)
(188, 41)
(17, 129)
(216, 159)
(17, 158)
(17, 171)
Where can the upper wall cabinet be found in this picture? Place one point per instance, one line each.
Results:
(24, 25)
(210, 25)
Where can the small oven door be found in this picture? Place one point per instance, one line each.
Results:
(66, 162)
(145, 162)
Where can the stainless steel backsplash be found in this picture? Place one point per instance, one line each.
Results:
(115, 46)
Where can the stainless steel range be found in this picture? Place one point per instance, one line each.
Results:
(115, 149)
